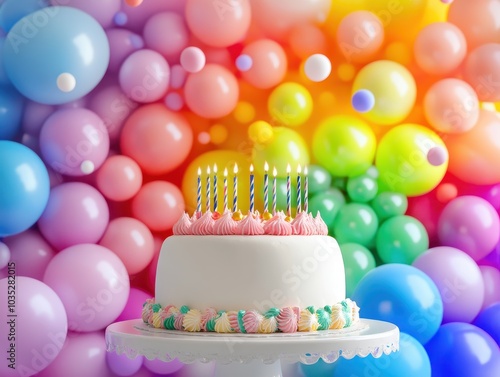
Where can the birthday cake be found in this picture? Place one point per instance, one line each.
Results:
(229, 273)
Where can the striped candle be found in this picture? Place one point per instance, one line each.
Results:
(208, 190)
(274, 190)
(288, 188)
(306, 191)
(198, 194)
(235, 188)
(216, 204)
(266, 186)
(299, 199)
(252, 196)
(225, 189)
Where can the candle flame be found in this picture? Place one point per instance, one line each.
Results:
(288, 169)
(305, 170)
(235, 170)
(275, 172)
(266, 167)
(199, 170)
(251, 168)
(299, 169)
(225, 172)
(215, 168)
(208, 169)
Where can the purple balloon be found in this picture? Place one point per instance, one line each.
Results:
(491, 278)
(162, 367)
(4, 255)
(34, 116)
(34, 337)
(244, 62)
(133, 308)
(471, 224)
(76, 213)
(492, 259)
(363, 100)
(122, 43)
(102, 10)
(122, 365)
(92, 283)
(458, 279)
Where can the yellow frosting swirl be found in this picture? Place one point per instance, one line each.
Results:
(192, 321)
(268, 325)
(337, 317)
(157, 320)
(223, 324)
(308, 321)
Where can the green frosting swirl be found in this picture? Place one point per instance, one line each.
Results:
(184, 309)
(273, 312)
(311, 309)
(156, 308)
(169, 323)
(324, 319)
(346, 310)
(241, 324)
(328, 309)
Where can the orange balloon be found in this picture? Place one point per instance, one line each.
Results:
(482, 71)
(307, 39)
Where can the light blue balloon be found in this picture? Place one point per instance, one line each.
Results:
(24, 188)
(12, 11)
(51, 42)
(410, 361)
(11, 112)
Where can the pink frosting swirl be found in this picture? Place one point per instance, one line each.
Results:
(233, 320)
(250, 226)
(251, 321)
(278, 226)
(288, 319)
(304, 225)
(207, 315)
(182, 226)
(321, 227)
(225, 224)
(179, 319)
(204, 226)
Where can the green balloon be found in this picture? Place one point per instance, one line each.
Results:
(401, 239)
(388, 204)
(356, 222)
(340, 183)
(362, 188)
(358, 261)
(328, 203)
(319, 179)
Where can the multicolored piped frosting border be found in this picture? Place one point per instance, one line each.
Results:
(286, 320)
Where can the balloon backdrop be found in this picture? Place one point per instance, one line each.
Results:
(108, 110)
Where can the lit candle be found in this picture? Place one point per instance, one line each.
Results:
(208, 189)
(299, 199)
(251, 189)
(235, 187)
(216, 204)
(306, 191)
(198, 195)
(225, 189)
(275, 173)
(288, 198)
(266, 186)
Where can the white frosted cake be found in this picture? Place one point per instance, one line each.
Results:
(228, 273)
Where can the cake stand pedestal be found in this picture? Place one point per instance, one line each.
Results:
(250, 355)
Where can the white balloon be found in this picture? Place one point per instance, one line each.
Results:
(317, 67)
(66, 82)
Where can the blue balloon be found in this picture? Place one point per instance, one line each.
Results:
(24, 188)
(11, 112)
(410, 361)
(319, 369)
(56, 55)
(463, 350)
(489, 321)
(12, 11)
(403, 295)
(363, 100)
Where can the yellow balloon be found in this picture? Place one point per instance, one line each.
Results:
(290, 104)
(260, 132)
(404, 160)
(393, 87)
(223, 159)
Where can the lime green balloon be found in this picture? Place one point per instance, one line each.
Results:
(285, 147)
(290, 104)
(344, 145)
(362, 188)
(401, 239)
(393, 87)
(356, 222)
(358, 261)
(388, 204)
(319, 179)
(328, 204)
(402, 160)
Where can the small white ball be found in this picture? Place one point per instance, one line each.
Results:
(317, 67)
(66, 82)
(87, 167)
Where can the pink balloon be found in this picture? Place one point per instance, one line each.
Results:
(167, 34)
(75, 213)
(211, 93)
(102, 10)
(122, 43)
(491, 278)
(92, 283)
(162, 367)
(471, 224)
(30, 252)
(459, 280)
(132, 241)
(35, 336)
(4, 256)
(144, 76)
(218, 23)
(138, 16)
(122, 365)
(159, 204)
(133, 308)
(192, 59)
(119, 178)
(427, 209)
(482, 71)
(83, 355)
(177, 76)
(74, 141)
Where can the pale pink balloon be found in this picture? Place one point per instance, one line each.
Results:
(307, 39)
(192, 59)
(122, 43)
(138, 16)
(4, 258)
(131, 240)
(92, 283)
(269, 63)
(177, 76)
(451, 106)
(75, 213)
(166, 33)
(440, 48)
(144, 76)
(218, 23)
(119, 178)
(102, 10)
(133, 309)
(360, 35)
(158, 204)
(211, 93)
(491, 278)
(74, 141)
(30, 252)
(482, 71)
(479, 20)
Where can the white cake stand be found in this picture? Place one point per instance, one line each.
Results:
(250, 355)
